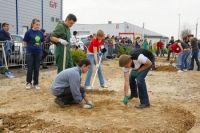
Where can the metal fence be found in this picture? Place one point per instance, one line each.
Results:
(15, 55)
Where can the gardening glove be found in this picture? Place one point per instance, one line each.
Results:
(135, 73)
(63, 42)
(87, 106)
(97, 66)
(125, 101)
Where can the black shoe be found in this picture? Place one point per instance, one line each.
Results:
(141, 106)
(45, 67)
(60, 103)
(131, 97)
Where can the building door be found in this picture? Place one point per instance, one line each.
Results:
(24, 30)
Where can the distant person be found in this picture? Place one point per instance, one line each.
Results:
(137, 43)
(150, 45)
(33, 41)
(145, 44)
(169, 47)
(45, 49)
(5, 38)
(67, 86)
(74, 40)
(94, 54)
(195, 51)
(185, 54)
(61, 37)
(160, 46)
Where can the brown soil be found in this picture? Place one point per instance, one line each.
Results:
(168, 68)
(174, 106)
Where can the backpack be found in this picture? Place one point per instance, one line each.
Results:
(136, 52)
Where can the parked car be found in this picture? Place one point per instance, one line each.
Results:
(18, 50)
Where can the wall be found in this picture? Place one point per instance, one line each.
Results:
(49, 12)
(111, 29)
(8, 13)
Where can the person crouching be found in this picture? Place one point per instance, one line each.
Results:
(67, 86)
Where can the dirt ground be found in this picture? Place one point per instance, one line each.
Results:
(174, 98)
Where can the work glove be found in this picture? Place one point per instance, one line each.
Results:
(135, 73)
(125, 101)
(87, 106)
(103, 49)
(63, 42)
(97, 66)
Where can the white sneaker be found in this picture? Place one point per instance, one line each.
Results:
(104, 86)
(28, 86)
(185, 70)
(37, 87)
(88, 88)
(180, 71)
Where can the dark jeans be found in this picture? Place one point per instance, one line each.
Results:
(67, 97)
(33, 65)
(195, 57)
(169, 54)
(138, 85)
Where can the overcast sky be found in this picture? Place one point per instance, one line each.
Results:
(158, 15)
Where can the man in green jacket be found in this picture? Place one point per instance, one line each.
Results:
(145, 44)
(61, 38)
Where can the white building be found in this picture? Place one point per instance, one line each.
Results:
(118, 29)
(19, 14)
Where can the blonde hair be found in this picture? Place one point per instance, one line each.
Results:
(100, 33)
(124, 60)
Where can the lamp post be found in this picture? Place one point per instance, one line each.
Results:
(179, 26)
(197, 24)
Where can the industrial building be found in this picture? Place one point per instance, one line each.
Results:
(119, 29)
(19, 14)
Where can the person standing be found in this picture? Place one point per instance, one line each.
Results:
(195, 51)
(160, 47)
(61, 37)
(145, 44)
(94, 54)
(185, 54)
(169, 47)
(33, 40)
(141, 62)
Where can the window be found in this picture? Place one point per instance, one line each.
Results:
(52, 19)
(57, 19)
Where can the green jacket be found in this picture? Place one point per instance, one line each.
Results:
(63, 32)
(146, 45)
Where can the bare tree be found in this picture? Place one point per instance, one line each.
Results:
(186, 31)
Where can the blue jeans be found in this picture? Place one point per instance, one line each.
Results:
(90, 71)
(178, 66)
(138, 85)
(33, 65)
(184, 63)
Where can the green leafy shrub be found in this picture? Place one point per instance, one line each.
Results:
(124, 50)
(77, 55)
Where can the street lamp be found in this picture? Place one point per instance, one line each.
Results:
(197, 26)
(179, 26)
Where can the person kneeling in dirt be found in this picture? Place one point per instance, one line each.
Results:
(67, 89)
(141, 62)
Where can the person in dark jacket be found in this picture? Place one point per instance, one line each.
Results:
(5, 37)
(195, 51)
